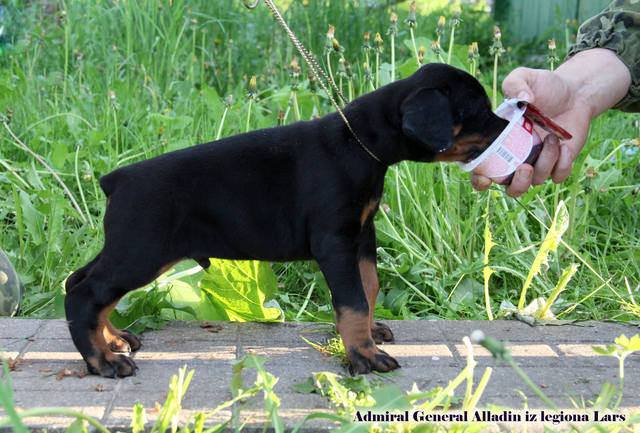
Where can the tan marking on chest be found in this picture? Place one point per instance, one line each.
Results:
(369, 210)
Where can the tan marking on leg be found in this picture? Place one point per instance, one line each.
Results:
(99, 338)
(363, 354)
(369, 277)
(369, 209)
(355, 330)
(107, 336)
(104, 361)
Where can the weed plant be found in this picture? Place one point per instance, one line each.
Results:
(92, 85)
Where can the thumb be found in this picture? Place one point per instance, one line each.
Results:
(519, 83)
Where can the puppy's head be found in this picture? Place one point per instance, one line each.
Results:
(447, 116)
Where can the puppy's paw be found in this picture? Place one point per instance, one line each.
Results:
(111, 364)
(381, 332)
(121, 341)
(131, 338)
(119, 345)
(365, 359)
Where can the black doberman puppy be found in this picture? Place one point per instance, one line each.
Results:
(304, 191)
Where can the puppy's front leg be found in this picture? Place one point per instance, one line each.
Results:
(339, 264)
(369, 275)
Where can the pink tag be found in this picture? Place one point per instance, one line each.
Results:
(512, 151)
(517, 144)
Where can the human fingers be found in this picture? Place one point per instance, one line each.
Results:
(578, 125)
(547, 159)
(521, 181)
(479, 182)
(547, 91)
(517, 84)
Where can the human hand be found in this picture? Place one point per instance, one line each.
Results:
(573, 95)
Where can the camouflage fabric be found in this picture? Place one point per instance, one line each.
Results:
(11, 289)
(616, 28)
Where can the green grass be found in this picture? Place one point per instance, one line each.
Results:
(96, 85)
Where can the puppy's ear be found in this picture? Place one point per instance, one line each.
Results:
(427, 118)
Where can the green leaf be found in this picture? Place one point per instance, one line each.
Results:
(385, 73)
(320, 415)
(407, 68)
(60, 155)
(629, 345)
(145, 308)
(562, 283)
(390, 398)
(77, 427)
(601, 351)
(465, 294)
(603, 178)
(58, 303)
(138, 419)
(33, 220)
(214, 103)
(606, 396)
(306, 387)
(241, 288)
(76, 127)
(550, 243)
(632, 344)
(354, 428)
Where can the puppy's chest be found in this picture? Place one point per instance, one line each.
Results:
(369, 210)
(370, 204)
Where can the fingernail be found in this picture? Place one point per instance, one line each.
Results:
(523, 175)
(524, 96)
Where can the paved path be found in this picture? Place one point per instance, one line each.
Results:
(556, 358)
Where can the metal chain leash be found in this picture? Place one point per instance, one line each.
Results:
(313, 65)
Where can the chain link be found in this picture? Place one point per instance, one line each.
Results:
(313, 65)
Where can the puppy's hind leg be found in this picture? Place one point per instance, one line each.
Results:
(87, 307)
(79, 275)
(91, 301)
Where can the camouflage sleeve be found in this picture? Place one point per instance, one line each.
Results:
(616, 28)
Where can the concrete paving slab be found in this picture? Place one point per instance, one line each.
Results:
(556, 358)
(417, 330)
(51, 350)
(290, 333)
(515, 331)
(90, 403)
(194, 331)
(425, 377)
(38, 376)
(211, 377)
(19, 328)
(11, 347)
(171, 350)
(524, 354)
(55, 329)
